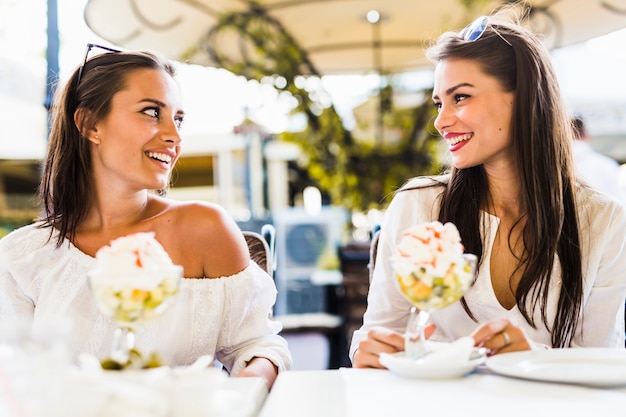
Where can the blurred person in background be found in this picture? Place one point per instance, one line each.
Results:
(595, 169)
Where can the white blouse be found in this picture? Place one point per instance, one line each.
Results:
(602, 224)
(227, 317)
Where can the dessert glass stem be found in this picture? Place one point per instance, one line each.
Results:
(123, 343)
(415, 344)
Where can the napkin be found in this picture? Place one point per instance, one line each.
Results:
(449, 354)
(196, 390)
(84, 395)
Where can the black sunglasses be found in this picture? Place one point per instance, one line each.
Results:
(91, 46)
(475, 30)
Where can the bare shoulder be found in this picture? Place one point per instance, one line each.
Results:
(201, 212)
(206, 222)
(205, 235)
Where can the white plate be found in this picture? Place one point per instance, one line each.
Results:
(586, 366)
(412, 368)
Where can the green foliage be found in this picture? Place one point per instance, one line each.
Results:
(13, 219)
(358, 175)
(362, 176)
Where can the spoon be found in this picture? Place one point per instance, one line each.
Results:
(479, 353)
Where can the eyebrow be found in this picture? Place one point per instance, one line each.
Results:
(159, 103)
(452, 89)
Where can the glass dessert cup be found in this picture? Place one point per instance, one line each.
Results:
(428, 293)
(130, 306)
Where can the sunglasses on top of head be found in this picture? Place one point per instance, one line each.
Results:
(477, 28)
(90, 47)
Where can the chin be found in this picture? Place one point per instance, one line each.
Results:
(463, 165)
(460, 165)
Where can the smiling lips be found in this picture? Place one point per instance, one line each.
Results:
(161, 157)
(458, 139)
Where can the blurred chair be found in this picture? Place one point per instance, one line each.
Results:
(260, 251)
(314, 338)
(373, 253)
(356, 267)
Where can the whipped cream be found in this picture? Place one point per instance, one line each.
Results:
(432, 246)
(133, 277)
(136, 260)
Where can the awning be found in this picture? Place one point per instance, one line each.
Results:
(335, 33)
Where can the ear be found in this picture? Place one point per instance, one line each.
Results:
(81, 115)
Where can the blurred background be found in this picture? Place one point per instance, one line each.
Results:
(305, 115)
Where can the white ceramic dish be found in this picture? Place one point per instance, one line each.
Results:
(423, 369)
(584, 366)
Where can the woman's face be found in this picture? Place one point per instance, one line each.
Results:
(138, 142)
(474, 114)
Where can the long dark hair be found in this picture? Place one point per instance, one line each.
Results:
(540, 137)
(66, 189)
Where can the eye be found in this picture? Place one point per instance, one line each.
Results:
(460, 97)
(179, 121)
(437, 105)
(151, 111)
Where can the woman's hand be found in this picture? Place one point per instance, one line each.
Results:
(500, 335)
(260, 367)
(380, 340)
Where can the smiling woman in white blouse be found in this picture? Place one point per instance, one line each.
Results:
(552, 267)
(114, 142)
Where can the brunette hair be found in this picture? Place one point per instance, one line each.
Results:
(578, 126)
(66, 189)
(540, 136)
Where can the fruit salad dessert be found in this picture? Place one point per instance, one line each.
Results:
(430, 266)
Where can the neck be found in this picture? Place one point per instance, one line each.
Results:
(505, 195)
(124, 211)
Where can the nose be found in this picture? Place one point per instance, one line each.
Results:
(171, 132)
(444, 119)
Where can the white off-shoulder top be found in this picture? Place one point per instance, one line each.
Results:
(228, 317)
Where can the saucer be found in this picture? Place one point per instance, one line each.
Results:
(401, 365)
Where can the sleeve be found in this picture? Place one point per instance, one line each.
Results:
(602, 321)
(15, 304)
(248, 331)
(386, 306)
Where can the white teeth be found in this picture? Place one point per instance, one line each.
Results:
(460, 138)
(163, 157)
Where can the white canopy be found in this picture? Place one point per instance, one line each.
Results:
(335, 33)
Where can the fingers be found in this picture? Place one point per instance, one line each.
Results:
(501, 336)
(487, 330)
(379, 340)
(506, 338)
(429, 330)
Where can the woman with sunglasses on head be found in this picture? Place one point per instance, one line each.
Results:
(551, 261)
(114, 141)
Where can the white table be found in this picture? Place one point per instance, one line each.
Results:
(76, 394)
(366, 392)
